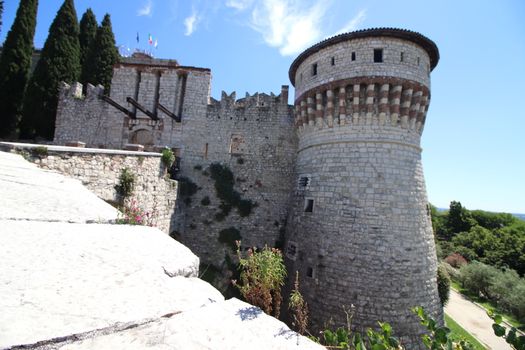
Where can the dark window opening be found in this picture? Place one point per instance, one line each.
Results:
(303, 181)
(353, 56)
(418, 61)
(292, 250)
(402, 57)
(309, 206)
(309, 272)
(206, 151)
(333, 61)
(314, 69)
(378, 55)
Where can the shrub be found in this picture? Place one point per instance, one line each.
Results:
(443, 284)
(456, 260)
(132, 214)
(477, 277)
(187, 187)
(298, 308)
(126, 183)
(40, 151)
(167, 157)
(262, 276)
(229, 237)
(244, 207)
(224, 182)
(452, 271)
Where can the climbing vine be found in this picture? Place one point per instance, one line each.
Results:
(230, 198)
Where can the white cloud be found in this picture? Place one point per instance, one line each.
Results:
(239, 5)
(353, 24)
(288, 24)
(191, 22)
(146, 10)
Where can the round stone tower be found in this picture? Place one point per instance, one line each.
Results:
(360, 233)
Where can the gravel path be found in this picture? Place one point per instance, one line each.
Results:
(475, 320)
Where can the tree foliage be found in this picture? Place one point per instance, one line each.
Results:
(1, 12)
(443, 282)
(15, 64)
(102, 55)
(60, 61)
(497, 239)
(88, 32)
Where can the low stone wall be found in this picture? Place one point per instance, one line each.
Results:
(99, 171)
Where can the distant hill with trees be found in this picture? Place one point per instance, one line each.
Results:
(496, 239)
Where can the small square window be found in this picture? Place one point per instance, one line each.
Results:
(291, 250)
(378, 55)
(314, 69)
(310, 272)
(303, 181)
(353, 56)
(308, 205)
(333, 61)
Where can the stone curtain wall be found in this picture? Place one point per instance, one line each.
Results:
(99, 171)
(254, 138)
(81, 117)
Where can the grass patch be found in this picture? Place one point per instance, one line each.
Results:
(458, 333)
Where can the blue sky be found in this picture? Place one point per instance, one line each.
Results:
(474, 138)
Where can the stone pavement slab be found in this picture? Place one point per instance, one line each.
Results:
(59, 279)
(232, 325)
(68, 280)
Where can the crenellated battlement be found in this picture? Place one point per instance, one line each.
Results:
(256, 107)
(77, 91)
(382, 101)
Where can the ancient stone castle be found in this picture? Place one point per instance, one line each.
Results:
(335, 180)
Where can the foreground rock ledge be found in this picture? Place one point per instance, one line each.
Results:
(70, 284)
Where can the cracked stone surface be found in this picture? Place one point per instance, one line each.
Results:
(60, 278)
(232, 325)
(70, 281)
(30, 193)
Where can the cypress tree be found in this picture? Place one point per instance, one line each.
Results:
(1, 12)
(103, 54)
(88, 31)
(60, 61)
(15, 64)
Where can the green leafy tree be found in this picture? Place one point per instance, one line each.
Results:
(15, 64)
(458, 220)
(88, 32)
(59, 62)
(103, 54)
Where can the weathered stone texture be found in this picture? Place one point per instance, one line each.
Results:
(253, 137)
(341, 170)
(99, 172)
(360, 233)
(392, 66)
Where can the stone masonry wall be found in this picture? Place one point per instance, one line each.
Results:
(360, 233)
(81, 117)
(254, 138)
(99, 171)
(414, 65)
